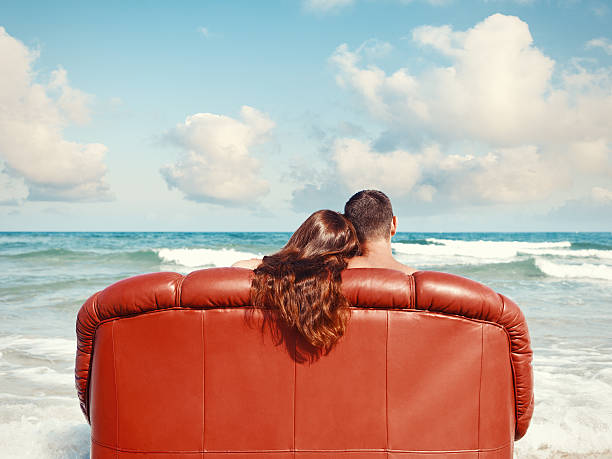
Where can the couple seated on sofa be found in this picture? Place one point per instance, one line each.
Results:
(302, 280)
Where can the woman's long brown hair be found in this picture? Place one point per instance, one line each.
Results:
(302, 280)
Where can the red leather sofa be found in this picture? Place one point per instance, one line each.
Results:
(432, 365)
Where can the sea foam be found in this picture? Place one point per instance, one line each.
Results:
(193, 258)
(55, 430)
(450, 251)
(577, 271)
(47, 348)
(572, 415)
(554, 259)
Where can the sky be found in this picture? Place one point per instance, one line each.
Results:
(472, 115)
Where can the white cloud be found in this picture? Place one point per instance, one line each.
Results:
(361, 168)
(426, 193)
(498, 88)
(441, 38)
(216, 164)
(204, 31)
(533, 136)
(511, 175)
(72, 102)
(514, 175)
(31, 124)
(590, 157)
(602, 43)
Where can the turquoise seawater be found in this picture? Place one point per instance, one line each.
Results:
(562, 281)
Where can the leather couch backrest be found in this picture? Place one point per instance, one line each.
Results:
(430, 363)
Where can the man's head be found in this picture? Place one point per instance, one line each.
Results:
(371, 214)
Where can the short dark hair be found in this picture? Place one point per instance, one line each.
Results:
(371, 214)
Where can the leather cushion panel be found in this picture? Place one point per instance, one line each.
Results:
(434, 374)
(103, 403)
(496, 422)
(248, 386)
(340, 398)
(159, 367)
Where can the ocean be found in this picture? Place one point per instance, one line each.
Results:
(562, 281)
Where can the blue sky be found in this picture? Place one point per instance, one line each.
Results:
(236, 116)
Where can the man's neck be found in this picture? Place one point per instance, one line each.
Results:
(378, 249)
(377, 254)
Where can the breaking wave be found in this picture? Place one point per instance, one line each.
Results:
(193, 258)
(561, 259)
(188, 257)
(576, 271)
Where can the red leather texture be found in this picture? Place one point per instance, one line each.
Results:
(178, 366)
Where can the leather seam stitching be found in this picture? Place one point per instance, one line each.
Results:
(387, 384)
(116, 387)
(203, 386)
(480, 381)
(294, 389)
(408, 311)
(262, 451)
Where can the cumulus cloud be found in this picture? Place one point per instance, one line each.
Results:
(72, 102)
(509, 175)
(497, 89)
(216, 164)
(506, 126)
(360, 167)
(32, 119)
(514, 175)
